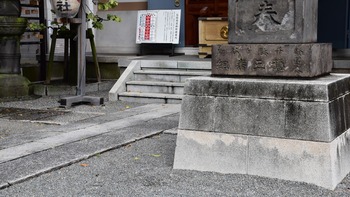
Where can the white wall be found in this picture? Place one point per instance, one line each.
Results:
(115, 37)
(118, 37)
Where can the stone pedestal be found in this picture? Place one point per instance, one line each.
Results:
(290, 129)
(274, 60)
(297, 128)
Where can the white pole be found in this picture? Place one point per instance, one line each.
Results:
(82, 51)
(80, 98)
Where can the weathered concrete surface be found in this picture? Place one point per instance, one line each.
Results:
(319, 163)
(268, 108)
(276, 60)
(273, 21)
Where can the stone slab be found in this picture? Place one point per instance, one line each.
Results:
(314, 121)
(273, 21)
(319, 163)
(256, 107)
(275, 60)
(320, 89)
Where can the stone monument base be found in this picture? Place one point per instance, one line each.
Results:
(289, 129)
(13, 85)
(319, 163)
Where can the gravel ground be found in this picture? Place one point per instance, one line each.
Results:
(48, 102)
(144, 168)
(14, 132)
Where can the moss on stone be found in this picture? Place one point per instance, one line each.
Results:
(13, 85)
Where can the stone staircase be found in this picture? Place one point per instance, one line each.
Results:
(157, 81)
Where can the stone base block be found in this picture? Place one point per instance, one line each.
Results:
(12, 85)
(275, 60)
(292, 129)
(319, 163)
(314, 110)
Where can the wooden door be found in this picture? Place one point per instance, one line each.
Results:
(201, 8)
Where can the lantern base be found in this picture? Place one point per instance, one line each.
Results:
(12, 85)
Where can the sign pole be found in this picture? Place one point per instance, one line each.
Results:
(80, 98)
(82, 52)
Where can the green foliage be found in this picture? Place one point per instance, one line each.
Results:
(108, 5)
(97, 22)
(36, 26)
(114, 18)
(40, 26)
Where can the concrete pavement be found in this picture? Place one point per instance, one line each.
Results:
(120, 149)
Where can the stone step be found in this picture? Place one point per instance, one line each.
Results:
(187, 65)
(176, 69)
(150, 97)
(155, 87)
(341, 63)
(170, 76)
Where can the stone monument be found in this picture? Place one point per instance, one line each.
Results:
(287, 118)
(12, 26)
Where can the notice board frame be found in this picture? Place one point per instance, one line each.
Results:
(158, 29)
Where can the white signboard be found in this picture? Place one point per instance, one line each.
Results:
(158, 26)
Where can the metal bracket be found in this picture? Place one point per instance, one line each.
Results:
(177, 3)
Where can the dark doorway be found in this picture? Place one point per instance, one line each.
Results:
(333, 23)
